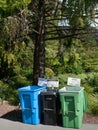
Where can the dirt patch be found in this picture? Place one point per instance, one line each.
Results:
(10, 112)
(90, 119)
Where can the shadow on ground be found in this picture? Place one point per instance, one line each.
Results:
(15, 115)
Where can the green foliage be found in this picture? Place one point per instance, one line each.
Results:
(89, 82)
(77, 21)
(95, 80)
(11, 88)
(93, 104)
(92, 79)
(62, 80)
(3, 85)
(95, 89)
(74, 64)
(15, 54)
(88, 88)
(8, 93)
(8, 7)
(12, 96)
(3, 89)
(19, 81)
(49, 73)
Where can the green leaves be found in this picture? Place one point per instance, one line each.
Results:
(8, 7)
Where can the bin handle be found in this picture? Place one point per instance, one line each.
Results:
(47, 109)
(77, 109)
(27, 108)
(64, 110)
(33, 110)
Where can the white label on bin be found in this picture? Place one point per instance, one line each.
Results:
(53, 83)
(42, 82)
(73, 82)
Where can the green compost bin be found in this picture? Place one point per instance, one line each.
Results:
(72, 106)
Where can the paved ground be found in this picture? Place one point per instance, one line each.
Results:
(14, 125)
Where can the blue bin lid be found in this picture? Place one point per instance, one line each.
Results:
(32, 88)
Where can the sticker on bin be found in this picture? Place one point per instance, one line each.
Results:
(73, 82)
(52, 83)
(42, 82)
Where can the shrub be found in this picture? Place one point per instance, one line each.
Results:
(18, 81)
(95, 90)
(62, 80)
(92, 79)
(12, 96)
(3, 88)
(49, 73)
(93, 103)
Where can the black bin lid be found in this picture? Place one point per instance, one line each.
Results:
(49, 92)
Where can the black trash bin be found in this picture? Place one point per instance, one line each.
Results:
(51, 107)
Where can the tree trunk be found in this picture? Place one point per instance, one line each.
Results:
(39, 50)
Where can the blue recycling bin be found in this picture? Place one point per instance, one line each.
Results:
(30, 102)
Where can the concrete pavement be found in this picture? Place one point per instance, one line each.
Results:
(6, 124)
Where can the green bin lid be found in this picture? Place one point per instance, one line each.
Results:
(71, 89)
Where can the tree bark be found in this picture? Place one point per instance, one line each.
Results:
(39, 50)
